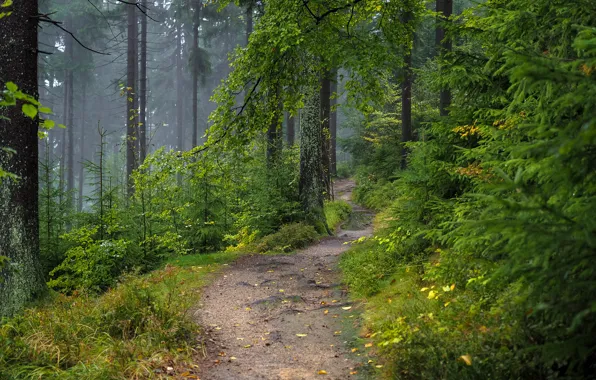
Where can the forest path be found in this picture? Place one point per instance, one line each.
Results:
(280, 317)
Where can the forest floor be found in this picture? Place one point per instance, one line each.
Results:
(282, 316)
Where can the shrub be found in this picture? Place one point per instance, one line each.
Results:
(289, 237)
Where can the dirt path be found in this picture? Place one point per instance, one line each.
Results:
(279, 317)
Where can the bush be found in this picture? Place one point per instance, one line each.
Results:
(289, 237)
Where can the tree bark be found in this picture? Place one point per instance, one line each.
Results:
(143, 89)
(333, 125)
(131, 122)
(22, 280)
(444, 45)
(311, 185)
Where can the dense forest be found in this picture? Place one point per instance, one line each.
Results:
(147, 146)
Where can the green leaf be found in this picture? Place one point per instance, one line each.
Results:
(30, 110)
(7, 3)
(48, 124)
(45, 110)
(10, 86)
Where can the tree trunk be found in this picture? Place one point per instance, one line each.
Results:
(406, 101)
(195, 73)
(19, 231)
(274, 133)
(291, 129)
(445, 9)
(325, 143)
(70, 123)
(333, 125)
(62, 165)
(82, 148)
(131, 120)
(311, 185)
(249, 22)
(143, 89)
(179, 91)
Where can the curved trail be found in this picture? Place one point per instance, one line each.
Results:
(279, 317)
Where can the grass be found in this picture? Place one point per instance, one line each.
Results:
(336, 212)
(138, 329)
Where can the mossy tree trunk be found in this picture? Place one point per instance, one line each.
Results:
(312, 185)
(22, 279)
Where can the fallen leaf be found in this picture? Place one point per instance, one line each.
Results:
(423, 289)
(326, 312)
(354, 349)
(466, 359)
(353, 372)
(248, 346)
(379, 366)
(346, 307)
(452, 286)
(232, 358)
(334, 301)
(281, 290)
(367, 345)
(301, 335)
(322, 372)
(248, 308)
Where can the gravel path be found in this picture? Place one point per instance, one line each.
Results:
(279, 317)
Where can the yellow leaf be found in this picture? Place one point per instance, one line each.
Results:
(423, 289)
(334, 301)
(354, 349)
(452, 286)
(346, 307)
(367, 345)
(326, 312)
(446, 288)
(379, 366)
(248, 346)
(466, 359)
(432, 294)
(281, 290)
(301, 335)
(322, 372)
(232, 358)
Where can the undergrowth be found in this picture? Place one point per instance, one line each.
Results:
(139, 329)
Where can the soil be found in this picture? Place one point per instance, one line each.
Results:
(280, 316)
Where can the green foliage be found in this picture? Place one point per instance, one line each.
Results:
(337, 212)
(480, 264)
(135, 329)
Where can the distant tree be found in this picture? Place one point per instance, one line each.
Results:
(21, 280)
(444, 45)
(131, 112)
